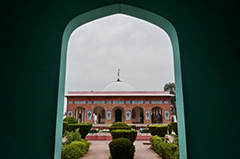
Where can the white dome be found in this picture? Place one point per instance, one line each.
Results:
(119, 86)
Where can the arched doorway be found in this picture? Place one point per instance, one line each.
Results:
(137, 115)
(118, 115)
(157, 115)
(80, 114)
(136, 12)
(100, 113)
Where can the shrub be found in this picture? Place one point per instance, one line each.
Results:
(65, 125)
(159, 130)
(174, 127)
(175, 140)
(70, 120)
(75, 150)
(73, 136)
(169, 128)
(83, 128)
(120, 133)
(122, 148)
(119, 125)
(155, 140)
(165, 150)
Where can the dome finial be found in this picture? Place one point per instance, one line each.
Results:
(118, 80)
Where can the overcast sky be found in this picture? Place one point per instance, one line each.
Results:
(140, 49)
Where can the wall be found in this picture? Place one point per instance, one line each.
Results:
(124, 107)
(30, 43)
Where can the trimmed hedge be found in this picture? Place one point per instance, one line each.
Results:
(120, 133)
(75, 150)
(159, 130)
(163, 149)
(169, 128)
(122, 148)
(65, 125)
(175, 128)
(84, 129)
(70, 120)
(119, 125)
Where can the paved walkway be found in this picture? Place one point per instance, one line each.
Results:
(100, 150)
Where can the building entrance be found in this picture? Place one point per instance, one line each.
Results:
(80, 114)
(137, 115)
(118, 115)
(157, 115)
(100, 112)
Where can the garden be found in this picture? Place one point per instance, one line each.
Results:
(75, 145)
(164, 139)
(160, 142)
(122, 146)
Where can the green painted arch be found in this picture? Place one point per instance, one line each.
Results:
(141, 14)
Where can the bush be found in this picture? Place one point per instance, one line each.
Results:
(84, 129)
(120, 133)
(119, 125)
(165, 150)
(75, 150)
(174, 127)
(72, 136)
(169, 128)
(159, 130)
(65, 125)
(122, 148)
(70, 120)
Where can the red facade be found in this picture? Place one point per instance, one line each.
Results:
(129, 107)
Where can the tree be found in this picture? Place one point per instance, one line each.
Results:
(171, 88)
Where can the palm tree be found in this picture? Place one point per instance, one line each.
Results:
(171, 88)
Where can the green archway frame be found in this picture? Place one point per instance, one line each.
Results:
(135, 12)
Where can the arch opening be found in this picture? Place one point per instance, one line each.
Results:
(118, 114)
(135, 12)
(80, 114)
(157, 116)
(100, 113)
(137, 115)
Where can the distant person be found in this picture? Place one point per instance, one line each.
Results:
(172, 118)
(94, 119)
(99, 118)
(175, 118)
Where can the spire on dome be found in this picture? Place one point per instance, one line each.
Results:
(118, 85)
(118, 80)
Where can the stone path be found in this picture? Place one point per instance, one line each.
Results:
(144, 151)
(100, 150)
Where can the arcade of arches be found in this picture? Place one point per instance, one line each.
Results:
(119, 101)
(137, 115)
(135, 109)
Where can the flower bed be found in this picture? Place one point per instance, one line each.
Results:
(105, 131)
(144, 130)
(94, 130)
